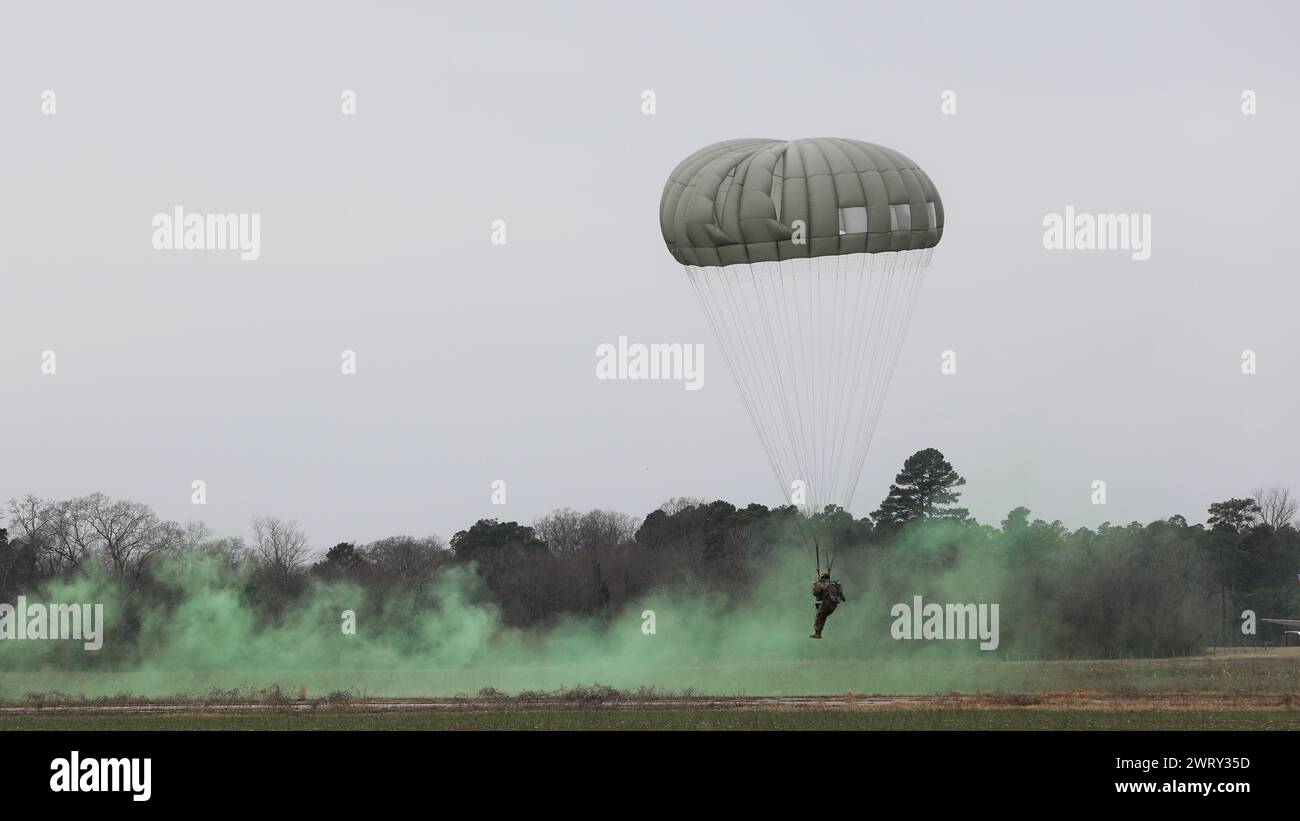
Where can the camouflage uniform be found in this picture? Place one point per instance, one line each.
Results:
(828, 595)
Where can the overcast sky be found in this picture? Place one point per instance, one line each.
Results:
(476, 362)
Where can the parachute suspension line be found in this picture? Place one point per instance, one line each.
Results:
(740, 318)
(733, 323)
(816, 322)
(784, 282)
(812, 344)
(881, 278)
(771, 379)
(803, 530)
(814, 335)
(817, 329)
(794, 336)
(774, 380)
(842, 352)
(739, 327)
(836, 361)
(806, 335)
(783, 369)
(915, 265)
(821, 366)
(914, 274)
(845, 376)
(854, 354)
(730, 351)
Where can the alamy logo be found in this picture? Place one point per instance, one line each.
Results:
(75, 774)
(684, 363)
(945, 621)
(179, 231)
(1098, 232)
(81, 622)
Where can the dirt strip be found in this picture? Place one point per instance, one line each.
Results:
(841, 702)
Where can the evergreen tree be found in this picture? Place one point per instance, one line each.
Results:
(925, 489)
(1238, 515)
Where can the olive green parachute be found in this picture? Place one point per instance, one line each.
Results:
(739, 200)
(807, 257)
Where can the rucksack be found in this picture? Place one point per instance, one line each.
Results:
(834, 592)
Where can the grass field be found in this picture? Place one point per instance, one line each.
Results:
(1232, 690)
(1270, 671)
(1013, 718)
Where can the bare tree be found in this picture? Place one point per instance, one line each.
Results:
(126, 534)
(561, 529)
(75, 538)
(279, 546)
(201, 549)
(677, 504)
(195, 535)
(1277, 507)
(51, 531)
(28, 516)
(30, 521)
(409, 560)
(602, 529)
(565, 530)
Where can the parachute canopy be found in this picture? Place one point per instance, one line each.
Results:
(807, 257)
(736, 201)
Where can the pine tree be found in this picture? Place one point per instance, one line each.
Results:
(923, 490)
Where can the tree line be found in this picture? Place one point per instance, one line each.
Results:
(1166, 586)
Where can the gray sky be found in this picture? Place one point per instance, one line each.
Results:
(477, 362)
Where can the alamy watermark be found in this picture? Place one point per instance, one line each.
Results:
(954, 622)
(631, 361)
(1073, 231)
(77, 774)
(179, 231)
(52, 622)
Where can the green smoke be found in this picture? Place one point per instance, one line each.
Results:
(195, 630)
